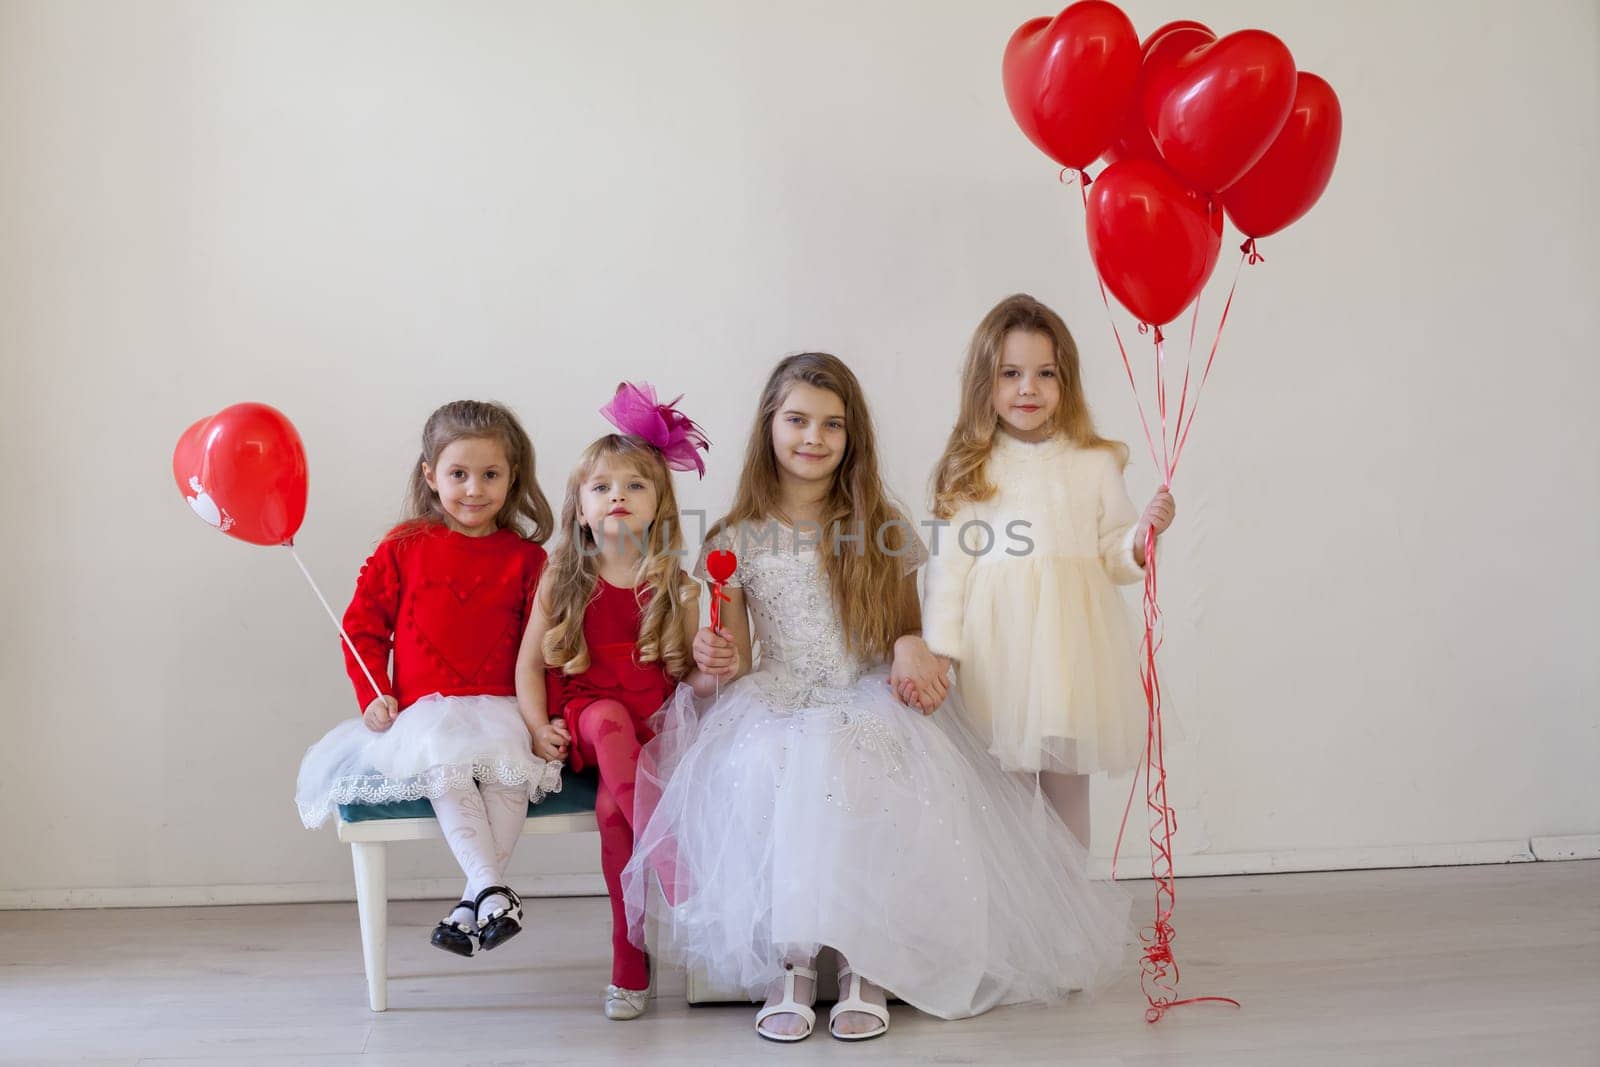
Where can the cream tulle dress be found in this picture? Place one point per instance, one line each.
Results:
(1047, 655)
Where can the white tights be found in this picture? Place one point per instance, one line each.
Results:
(481, 824)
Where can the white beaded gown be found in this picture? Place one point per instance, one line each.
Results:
(805, 806)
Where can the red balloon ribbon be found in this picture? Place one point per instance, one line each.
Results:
(1158, 968)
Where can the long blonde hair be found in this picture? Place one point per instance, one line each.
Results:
(960, 477)
(526, 511)
(866, 584)
(574, 572)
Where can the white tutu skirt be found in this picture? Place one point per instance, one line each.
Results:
(1050, 667)
(857, 823)
(437, 744)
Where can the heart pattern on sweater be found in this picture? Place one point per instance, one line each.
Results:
(451, 614)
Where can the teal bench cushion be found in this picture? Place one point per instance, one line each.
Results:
(576, 797)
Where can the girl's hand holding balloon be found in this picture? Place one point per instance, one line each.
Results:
(1158, 514)
(1156, 518)
(380, 714)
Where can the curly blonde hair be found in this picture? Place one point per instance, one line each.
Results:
(573, 570)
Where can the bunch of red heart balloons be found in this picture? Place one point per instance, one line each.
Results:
(1190, 123)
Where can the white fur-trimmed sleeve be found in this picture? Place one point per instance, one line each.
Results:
(1119, 522)
(944, 601)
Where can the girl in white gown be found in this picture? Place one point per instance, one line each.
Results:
(808, 806)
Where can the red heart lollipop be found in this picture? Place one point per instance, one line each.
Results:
(721, 564)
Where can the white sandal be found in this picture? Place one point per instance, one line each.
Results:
(851, 1001)
(790, 1006)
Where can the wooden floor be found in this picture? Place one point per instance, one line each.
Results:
(1470, 965)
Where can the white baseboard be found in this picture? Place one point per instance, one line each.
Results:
(1136, 863)
(1568, 847)
(180, 896)
(1133, 865)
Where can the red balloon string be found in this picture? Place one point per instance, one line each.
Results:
(1122, 350)
(1246, 253)
(1161, 403)
(1249, 249)
(1188, 359)
(1158, 968)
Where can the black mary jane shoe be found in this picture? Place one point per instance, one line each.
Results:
(455, 937)
(502, 925)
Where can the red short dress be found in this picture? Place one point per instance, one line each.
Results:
(611, 630)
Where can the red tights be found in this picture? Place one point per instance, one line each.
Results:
(607, 740)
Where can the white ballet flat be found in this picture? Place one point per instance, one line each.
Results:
(790, 1006)
(850, 1000)
(623, 1004)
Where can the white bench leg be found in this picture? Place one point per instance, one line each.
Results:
(372, 901)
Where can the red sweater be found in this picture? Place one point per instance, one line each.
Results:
(451, 609)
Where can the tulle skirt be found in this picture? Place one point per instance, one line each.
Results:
(856, 823)
(437, 744)
(1050, 668)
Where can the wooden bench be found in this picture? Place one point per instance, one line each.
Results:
(369, 828)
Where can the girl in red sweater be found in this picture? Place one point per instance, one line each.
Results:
(444, 601)
(610, 636)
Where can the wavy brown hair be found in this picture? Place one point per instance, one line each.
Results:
(526, 511)
(960, 476)
(574, 573)
(865, 584)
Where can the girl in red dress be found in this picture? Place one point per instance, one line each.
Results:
(445, 599)
(610, 634)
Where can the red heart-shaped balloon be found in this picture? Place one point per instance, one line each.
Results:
(1214, 111)
(1068, 79)
(1290, 178)
(243, 470)
(721, 564)
(1153, 239)
(1161, 50)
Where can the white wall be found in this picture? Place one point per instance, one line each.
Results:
(1380, 592)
